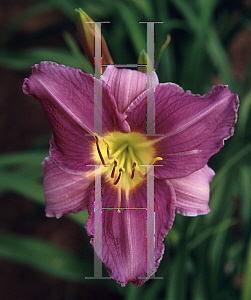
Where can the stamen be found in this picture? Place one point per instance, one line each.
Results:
(151, 163)
(140, 173)
(114, 167)
(133, 169)
(108, 148)
(118, 178)
(119, 196)
(99, 152)
(155, 159)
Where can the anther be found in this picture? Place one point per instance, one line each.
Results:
(151, 163)
(107, 147)
(99, 152)
(155, 159)
(114, 167)
(118, 178)
(133, 169)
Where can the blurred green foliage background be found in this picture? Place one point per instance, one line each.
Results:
(207, 257)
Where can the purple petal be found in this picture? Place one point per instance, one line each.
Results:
(127, 85)
(67, 96)
(194, 126)
(124, 234)
(136, 114)
(192, 192)
(65, 193)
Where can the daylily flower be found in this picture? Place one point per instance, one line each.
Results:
(193, 128)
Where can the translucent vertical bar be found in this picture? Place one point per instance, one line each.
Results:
(150, 46)
(97, 83)
(150, 91)
(150, 221)
(97, 130)
(150, 226)
(150, 117)
(97, 226)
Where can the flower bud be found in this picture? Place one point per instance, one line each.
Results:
(142, 60)
(86, 32)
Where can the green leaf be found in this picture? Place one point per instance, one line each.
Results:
(179, 274)
(208, 232)
(246, 290)
(44, 257)
(187, 11)
(245, 190)
(133, 292)
(135, 30)
(25, 59)
(219, 57)
(144, 6)
(80, 217)
(244, 114)
(22, 173)
(238, 156)
(76, 52)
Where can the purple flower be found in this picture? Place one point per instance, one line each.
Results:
(193, 127)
